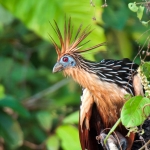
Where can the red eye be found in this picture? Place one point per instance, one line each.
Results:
(65, 59)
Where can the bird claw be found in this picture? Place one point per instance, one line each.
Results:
(112, 143)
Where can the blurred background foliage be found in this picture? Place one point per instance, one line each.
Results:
(38, 109)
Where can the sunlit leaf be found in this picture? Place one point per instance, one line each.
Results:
(133, 112)
(5, 16)
(10, 130)
(52, 143)
(2, 91)
(140, 12)
(72, 118)
(32, 15)
(133, 7)
(69, 137)
(145, 23)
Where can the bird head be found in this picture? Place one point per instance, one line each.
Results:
(64, 62)
(70, 51)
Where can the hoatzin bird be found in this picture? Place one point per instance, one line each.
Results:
(104, 84)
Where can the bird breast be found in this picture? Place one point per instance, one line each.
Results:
(109, 97)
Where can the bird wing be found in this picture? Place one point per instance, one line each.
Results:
(89, 122)
(120, 72)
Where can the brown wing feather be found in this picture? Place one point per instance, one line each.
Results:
(88, 136)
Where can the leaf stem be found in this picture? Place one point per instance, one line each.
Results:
(112, 129)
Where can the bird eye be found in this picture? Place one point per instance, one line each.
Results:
(65, 59)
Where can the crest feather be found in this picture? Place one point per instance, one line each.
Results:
(67, 44)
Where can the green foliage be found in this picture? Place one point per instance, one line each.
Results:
(140, 12)
(45, 120)
(133, 112)
(14, 105)
(52, 143)
(139, 9)
(38, 108)
(146, 69)
(133, 7)
(72, 119)
(29, 11)
(117, 17)
(11, 131)
(69, 137)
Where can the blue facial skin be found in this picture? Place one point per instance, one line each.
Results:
(67, 61)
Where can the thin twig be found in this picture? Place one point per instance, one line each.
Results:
(34, 146)
(135, 58)
(147, 50)
(145, 146)
(112, 129)
(51, 89)
(117, 140)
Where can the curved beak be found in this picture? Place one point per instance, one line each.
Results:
(58, 67)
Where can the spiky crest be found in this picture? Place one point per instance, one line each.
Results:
(67, 45)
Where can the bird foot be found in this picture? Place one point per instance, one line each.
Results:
(112, 143)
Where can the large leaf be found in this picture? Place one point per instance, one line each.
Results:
(10, 130)
(45, 119)
(72, 118)
(69, 137)
(37, 14)
(135, 111)
(52, 143)
(5, 17)
(12, 103)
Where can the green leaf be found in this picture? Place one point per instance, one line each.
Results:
(133, 7)
(45, 120)
(52, 143)
(72, 118)
(32, 15)
(132, 113)
(15, 105)
(146, 69)
(5, 17)
(69, 137)
(140, 12)
(116, 18)
(112, 129)
(145, 23)
(2, 91)
(10, 130)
